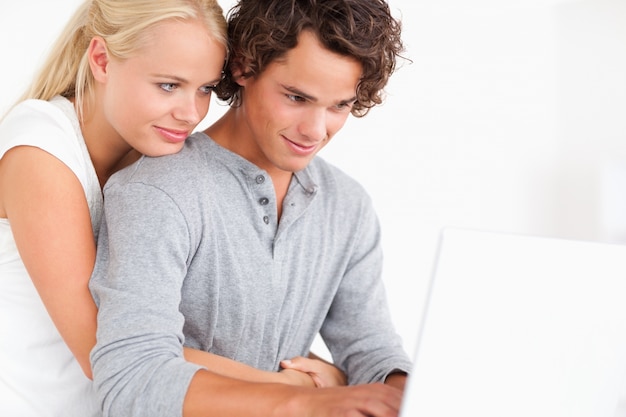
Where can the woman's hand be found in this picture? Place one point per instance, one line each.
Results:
(323, 373)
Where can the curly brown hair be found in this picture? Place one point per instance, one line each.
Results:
(260, 31)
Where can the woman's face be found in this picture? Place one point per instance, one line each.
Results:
(156, 98)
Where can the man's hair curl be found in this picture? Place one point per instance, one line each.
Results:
(261, 31)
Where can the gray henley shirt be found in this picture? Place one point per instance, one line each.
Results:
(191, 252)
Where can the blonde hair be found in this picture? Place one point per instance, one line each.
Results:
(122, 24)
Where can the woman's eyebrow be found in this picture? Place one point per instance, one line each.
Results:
(182, 80)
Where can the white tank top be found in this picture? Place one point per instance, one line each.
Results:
(39, 376)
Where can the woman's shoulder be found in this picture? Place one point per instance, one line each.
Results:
(33, 121)
(35, 110)
(51, 126)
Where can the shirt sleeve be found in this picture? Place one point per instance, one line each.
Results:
(40, 124)
(358, 330)
(138, 363)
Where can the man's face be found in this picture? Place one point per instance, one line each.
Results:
(296, 105)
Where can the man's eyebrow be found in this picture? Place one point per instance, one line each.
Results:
(314, 99)
(351, 100)
(297, 92)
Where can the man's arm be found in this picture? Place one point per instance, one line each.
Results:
(211, 394)
(138, 361)
(358, 329)
(397, 380)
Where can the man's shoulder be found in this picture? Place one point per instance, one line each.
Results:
(332, 178)
(191, 156)
(175, 169)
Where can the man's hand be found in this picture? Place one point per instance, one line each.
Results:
(368, 400)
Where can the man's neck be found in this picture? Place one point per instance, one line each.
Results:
(229, 133)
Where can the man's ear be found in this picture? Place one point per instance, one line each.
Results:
(239, 72)
(98, 56)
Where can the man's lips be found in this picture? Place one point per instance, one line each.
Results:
(300, 149)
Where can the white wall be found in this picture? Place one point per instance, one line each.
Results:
(510, 118)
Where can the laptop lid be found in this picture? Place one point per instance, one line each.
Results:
(521, 326)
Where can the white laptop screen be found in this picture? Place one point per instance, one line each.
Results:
(521, 326)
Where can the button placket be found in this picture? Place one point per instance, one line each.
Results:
(260, 179)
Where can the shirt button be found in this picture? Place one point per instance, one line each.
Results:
(260, 179)
(264, 201)
(266, 219)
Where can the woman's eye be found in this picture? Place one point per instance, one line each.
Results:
(207, 89)
(169, 87)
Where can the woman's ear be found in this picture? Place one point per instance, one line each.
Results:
(98, 56)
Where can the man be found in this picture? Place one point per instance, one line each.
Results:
(245, 244)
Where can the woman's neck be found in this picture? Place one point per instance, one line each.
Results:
(108, 151)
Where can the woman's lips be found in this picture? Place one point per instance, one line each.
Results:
(173, 135)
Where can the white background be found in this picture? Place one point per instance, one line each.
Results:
(509, 118)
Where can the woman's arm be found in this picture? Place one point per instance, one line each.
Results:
(47, 209)
(312, 371)
(46, 206)
(323, 373)
(228, 367)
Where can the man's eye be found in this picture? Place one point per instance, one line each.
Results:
(294, 97)
(169, 87)
(344, 106)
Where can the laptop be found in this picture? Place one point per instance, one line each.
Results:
(521, 326)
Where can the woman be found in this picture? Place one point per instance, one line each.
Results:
(125, 78)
